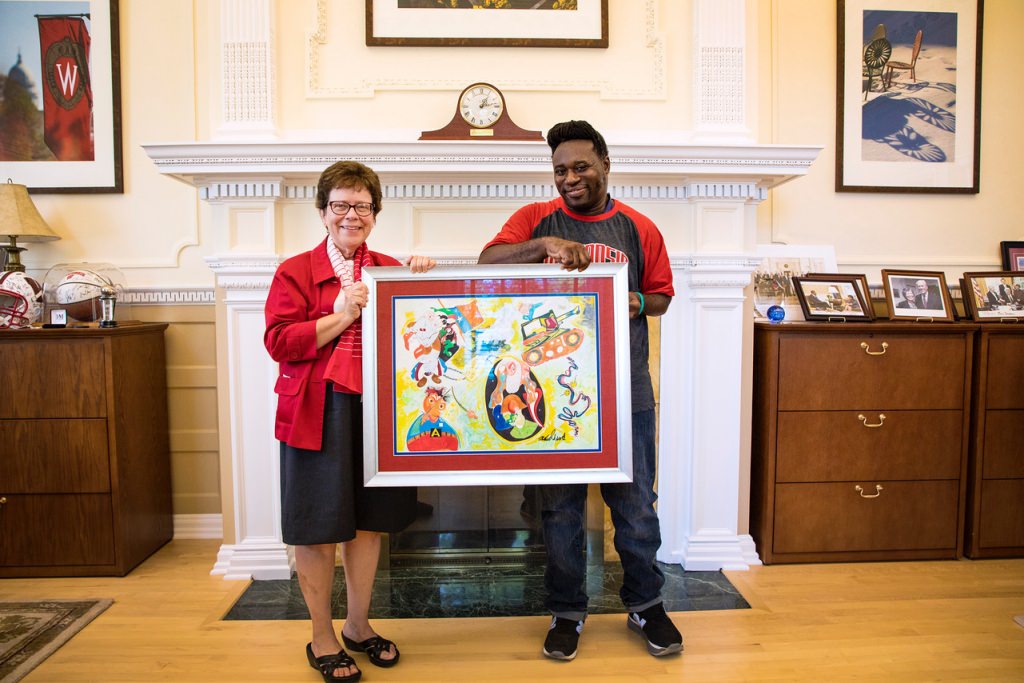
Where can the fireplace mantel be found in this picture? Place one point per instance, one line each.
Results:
(709, 196)
(210, 164)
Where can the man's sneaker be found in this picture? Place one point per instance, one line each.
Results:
(563, 637)
(662, 636)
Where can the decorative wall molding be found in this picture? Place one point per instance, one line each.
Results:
(247, 65)
(151, 296)
(720, 68)
(648, 83)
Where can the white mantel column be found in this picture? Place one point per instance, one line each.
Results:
(703, 365)
(247, 214)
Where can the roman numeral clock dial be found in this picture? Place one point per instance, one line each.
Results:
(480, 113)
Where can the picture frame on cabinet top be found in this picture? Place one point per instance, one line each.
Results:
(1013, 255)
(832, 297)
(917, 295)
(994, 296)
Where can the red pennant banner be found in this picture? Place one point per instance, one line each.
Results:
(67, 92)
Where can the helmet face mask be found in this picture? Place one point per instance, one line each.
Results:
(20, 300)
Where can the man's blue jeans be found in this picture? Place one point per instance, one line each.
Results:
(637, 533)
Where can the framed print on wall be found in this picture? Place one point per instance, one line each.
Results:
(509, 374)
(914, 294)
(908, 91)
(994, 297)
(61, 113)
(1013, 255)
(480, 23)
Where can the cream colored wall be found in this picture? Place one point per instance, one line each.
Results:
(158, 231)
(191, 404)
(951, 233)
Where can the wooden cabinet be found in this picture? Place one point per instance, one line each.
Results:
(995, 523)
(85, 485)
(860, 440)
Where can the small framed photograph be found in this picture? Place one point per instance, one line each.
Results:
(1013, 255)
(831, 297)
(994, 297)
(511, 374)
(913, 294)
(862, 284)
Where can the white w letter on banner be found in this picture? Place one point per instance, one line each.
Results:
(67, 79)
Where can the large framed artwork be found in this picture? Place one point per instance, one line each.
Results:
(486, 23)
(908, 89)
(60, 116)
(496, 375)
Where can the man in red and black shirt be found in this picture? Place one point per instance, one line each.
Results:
(584, 225)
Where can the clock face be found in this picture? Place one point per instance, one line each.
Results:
(481, 105)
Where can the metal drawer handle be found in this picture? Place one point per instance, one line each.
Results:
(867, 349)
(876, 494)
(864, 421)
(3, 500)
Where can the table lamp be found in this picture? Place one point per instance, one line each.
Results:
(19, 220)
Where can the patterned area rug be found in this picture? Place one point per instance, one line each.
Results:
(32, 631)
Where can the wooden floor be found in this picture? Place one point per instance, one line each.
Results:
(880, 621)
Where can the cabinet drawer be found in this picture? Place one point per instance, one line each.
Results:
(812, 518)
(1002, 514)
(837, 446)
(1004, 444)
(48, 530)
(1005, 372)
(834, 371)
(54, 456)
(53, 379)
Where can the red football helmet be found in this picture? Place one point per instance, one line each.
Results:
(20, 300)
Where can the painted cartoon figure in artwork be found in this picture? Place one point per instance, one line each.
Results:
(430, 431)
(423, 337)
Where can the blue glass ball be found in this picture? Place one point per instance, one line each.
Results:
(776, 313)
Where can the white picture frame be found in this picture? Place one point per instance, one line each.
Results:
(489, 375)
(772, 280)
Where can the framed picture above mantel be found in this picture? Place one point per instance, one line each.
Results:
(61, 129)
(908, 92)
(486, 23)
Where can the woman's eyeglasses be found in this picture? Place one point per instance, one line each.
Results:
(342, 208)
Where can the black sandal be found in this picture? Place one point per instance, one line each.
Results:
(373, 647)
(328, 663)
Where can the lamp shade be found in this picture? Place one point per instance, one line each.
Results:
(19, 217)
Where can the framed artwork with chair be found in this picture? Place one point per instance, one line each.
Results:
(908, 93)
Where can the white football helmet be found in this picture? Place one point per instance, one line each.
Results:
(21, 300)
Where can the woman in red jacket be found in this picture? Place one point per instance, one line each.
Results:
(313, 332)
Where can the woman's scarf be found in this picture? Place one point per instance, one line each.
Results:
(345, 367)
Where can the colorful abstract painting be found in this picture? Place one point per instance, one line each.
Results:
(495, 373)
